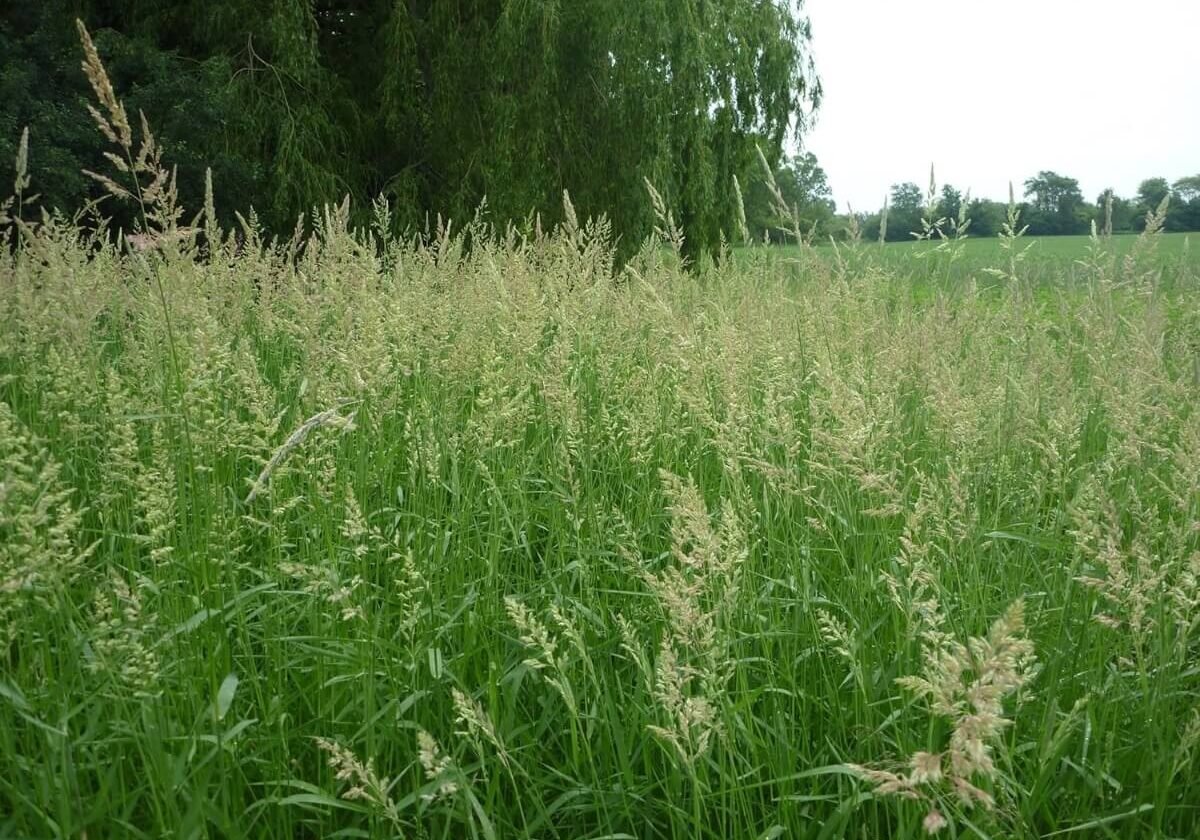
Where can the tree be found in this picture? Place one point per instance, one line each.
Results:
(1150, 195)
(42, 88)
(804, 186)
(436, 104)
(1185, 211)
(986, 216)
(1152, 191)
(1124, 212)
(1188, 189)
(905, 208)
(951, 202)
(1057, 206)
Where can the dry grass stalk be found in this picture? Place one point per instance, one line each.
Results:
(330, 417)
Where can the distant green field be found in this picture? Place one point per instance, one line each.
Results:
(1060, 247)
(1050, 260)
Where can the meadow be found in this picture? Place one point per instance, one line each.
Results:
(1052, 262)
(1065, 250)
(484, 534)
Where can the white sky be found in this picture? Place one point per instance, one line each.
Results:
(1104, 91)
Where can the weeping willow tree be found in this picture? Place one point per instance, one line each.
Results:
(437, 104)
(520, 99)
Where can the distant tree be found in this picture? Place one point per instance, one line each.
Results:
(1188, 189)
(905, 208)
(907, 196)
(804, 186)
(986, 216)
(1152, 191)
(867, 225)
(1185, 213)
(1150, 194)
(951, 202)
(1124, 212)
(1056, 205)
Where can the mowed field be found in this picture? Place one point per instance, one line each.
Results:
(355, 537)
(1050, 260)
(1169, 246)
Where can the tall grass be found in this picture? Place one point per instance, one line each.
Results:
(475, 534)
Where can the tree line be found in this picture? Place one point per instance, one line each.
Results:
(1051, 205)
(433, 105)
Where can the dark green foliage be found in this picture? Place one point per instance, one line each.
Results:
(951, 202)
(1057, 205)
(1184, 214)
(1183, 207)
(986, 216)
(906, 206)
(1057, 208)
(804, 186)
(435, 105)
(1187, 190)
(1151, 192)
(1125, 215)
(192, 106)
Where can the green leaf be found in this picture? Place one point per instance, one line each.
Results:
(1102, 821)
(13, 695)
(225, 695)
(192, 623)
(321, 799)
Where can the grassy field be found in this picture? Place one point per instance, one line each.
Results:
(1051, 262)
(1068, 248)
(361, 538)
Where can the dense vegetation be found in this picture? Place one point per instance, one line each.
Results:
(1053, 206)
(477, 534)
(434, 106)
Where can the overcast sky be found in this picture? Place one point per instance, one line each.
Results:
(1104, 91)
